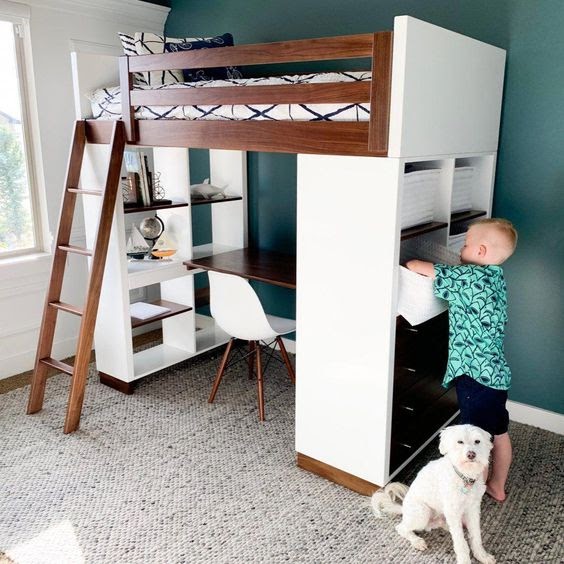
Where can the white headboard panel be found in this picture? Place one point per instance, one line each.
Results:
(89, 72)
(446, 91)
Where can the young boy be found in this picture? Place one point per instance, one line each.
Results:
(475, 291)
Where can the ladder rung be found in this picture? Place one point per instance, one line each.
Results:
(58, 365)
(75, 249)
(86, 192)
(66, 307)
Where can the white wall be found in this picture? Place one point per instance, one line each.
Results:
(57, 27)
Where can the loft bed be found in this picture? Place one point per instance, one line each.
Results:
(331, 137)
(423, 81)
(434, 101)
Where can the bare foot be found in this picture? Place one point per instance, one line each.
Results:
(497, 495)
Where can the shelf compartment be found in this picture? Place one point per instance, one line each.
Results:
(459, 222)
(153, 207)
(208, 336)
(175, 309)
(157, 358)
(147, 272)
(200, 201)
(417, 230)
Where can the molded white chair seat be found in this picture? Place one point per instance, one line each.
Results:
(281, 325)
(237, 310)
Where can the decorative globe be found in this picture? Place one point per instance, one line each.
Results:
(151, 228)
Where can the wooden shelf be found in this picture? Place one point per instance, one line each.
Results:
(459, 222)
(139, 209)
(466, 215)
(175, 309)
(421, 229)
(200, 201)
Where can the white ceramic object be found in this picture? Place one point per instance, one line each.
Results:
(206, 190)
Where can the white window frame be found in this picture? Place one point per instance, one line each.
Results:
(19, 15)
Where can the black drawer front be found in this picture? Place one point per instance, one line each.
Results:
(412, 428)
(421, 405)
(424, 346)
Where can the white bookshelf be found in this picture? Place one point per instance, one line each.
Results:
(184, 334)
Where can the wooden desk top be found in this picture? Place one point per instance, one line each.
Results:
(255, 264)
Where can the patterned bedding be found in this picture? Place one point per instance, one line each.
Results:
(106, 102)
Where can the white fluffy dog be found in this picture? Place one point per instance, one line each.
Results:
(445, 493)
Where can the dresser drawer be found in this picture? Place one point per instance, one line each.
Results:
(424, 346)
(421, 395)
(421, 405)
(413, 427)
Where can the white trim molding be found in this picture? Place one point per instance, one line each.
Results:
(535, 416)
(13, 10)
(130, 12)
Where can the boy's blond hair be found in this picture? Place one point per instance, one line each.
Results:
(504, 228)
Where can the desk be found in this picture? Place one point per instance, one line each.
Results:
(255, 264)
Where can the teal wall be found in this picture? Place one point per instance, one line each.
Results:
(530, 173)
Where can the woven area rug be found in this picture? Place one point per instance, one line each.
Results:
(163, 477)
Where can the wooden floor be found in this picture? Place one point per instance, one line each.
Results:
(24, 379)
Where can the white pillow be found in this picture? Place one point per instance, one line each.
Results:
(153, 44)
(128, 45)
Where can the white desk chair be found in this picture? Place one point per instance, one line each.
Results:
(237, 310)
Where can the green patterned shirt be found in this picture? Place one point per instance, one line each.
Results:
(477, 314)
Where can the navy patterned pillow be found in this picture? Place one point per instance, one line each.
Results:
(216, 73)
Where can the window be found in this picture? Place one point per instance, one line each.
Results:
(20, 229)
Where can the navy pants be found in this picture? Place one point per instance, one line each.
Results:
(482, 406)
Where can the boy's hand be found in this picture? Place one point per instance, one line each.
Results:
(421, 267)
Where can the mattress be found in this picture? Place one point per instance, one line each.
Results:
(106, 102)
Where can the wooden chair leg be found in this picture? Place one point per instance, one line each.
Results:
(251, 359)
(221, 370)
(286, 358)
(260, 383)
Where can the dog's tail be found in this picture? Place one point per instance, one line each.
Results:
(388, 500)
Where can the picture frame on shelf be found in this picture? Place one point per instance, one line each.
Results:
(135, 163)
(130, 190)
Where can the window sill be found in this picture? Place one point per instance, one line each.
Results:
(15, 267)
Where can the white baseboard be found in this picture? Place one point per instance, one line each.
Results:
(24, 361)
(535, 416)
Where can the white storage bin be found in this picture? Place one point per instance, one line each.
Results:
(417, 302)
(419, 190)
(462, 189)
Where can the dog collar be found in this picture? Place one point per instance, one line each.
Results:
(468, 482)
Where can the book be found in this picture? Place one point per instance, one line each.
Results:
(149, 177)
(145, 179)
(142, 310)
(135, 163)
(133, 195)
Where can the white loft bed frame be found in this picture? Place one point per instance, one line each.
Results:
(445, 106)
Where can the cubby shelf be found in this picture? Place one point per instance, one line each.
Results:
(153, 207)
(207, 336)
(460, 217)
(421, 229)
(200, 201)
(466, 215)
(166, 282)
(175, 309)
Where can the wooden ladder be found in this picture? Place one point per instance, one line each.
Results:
(44, 360)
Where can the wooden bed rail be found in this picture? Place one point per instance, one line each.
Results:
(369, 138)
(327, 48)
